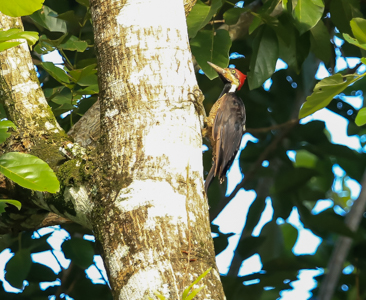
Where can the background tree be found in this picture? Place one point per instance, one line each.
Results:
(302, 33)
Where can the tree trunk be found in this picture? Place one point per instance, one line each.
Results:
(150, 212)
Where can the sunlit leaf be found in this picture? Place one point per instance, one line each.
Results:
(361, 117)
(200, 15)
(358, 26)
(4, 202)
(325, 91)
(47, 18)
(4, 126)
(29, 171)
(307, 13)
(73, 44)
(56, 72)
(20, 8)
(14, 33)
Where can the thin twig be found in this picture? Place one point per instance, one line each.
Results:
(274, 127)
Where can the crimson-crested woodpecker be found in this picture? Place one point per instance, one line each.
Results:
(225, 123)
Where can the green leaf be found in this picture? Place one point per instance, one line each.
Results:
(86, 76)
(257, 20)
(29, 171)
(3, 203)
(361, 117)
(79, 251)
(232, 15)
(320, 42)
(74, 44)
(342, 12)
(358, 26)
(305, 159)
(18, 267)
(90, 90)
(264, 58)
(8, 45)
(207, 46)
(307, 13)
(325, 91)
(47, 18)
(4, 126)
(199, 278)
(56, 72)
(200, 15)
(14, 33)
(194, 293)
(289, 234)
(353, 41)
(20, 8)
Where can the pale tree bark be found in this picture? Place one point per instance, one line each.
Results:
(142, 192)
(151, 214)
(37, 133)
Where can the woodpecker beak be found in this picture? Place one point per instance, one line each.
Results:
(217, 68)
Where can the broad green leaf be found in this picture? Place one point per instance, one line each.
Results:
(74, 44)
(353, 41)
(56, 72)
(320, 42)
(90, 90)
(264, 58)
(79, 251)
(361, 117)
(18, 267)
(200, 15)
(207, 46)
(325, 91)
(14, 33)
(29, 171)
(342, 12)
(305, 159)
(358, 26)
(20, 8)
(307, 13)
(8, 45)
(47, 18)
(232, 15)
(86, 76)
(255, 23)
(4, 126)
(4, 202)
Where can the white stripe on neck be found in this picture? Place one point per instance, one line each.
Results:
(233, 88)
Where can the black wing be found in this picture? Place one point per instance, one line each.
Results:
(227, 133)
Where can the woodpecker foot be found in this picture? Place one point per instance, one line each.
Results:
(198, 102)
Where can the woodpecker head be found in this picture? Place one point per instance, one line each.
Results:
(230, 75)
